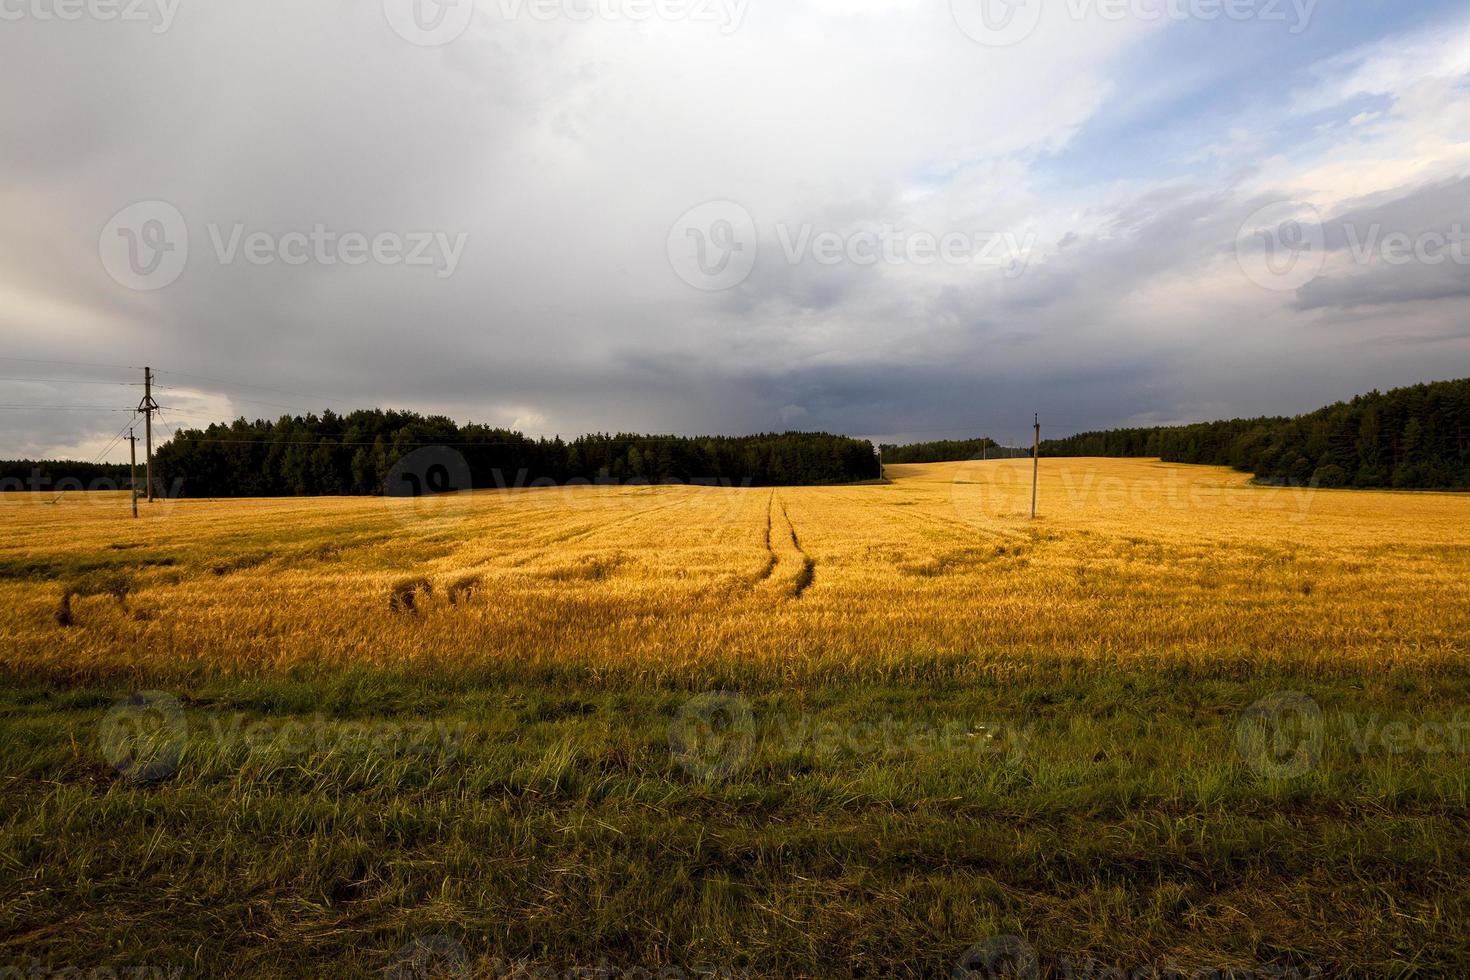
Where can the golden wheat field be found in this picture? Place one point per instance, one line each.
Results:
(1129, 561)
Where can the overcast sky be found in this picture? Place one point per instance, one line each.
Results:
(903, 219)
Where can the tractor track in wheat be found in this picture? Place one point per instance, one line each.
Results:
(788, 566)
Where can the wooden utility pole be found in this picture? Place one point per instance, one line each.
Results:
(1035, 463)
(133, 469)
(147, 407)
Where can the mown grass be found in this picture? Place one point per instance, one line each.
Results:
(318, 826)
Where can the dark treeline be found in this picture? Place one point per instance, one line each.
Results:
(61, 474)
(1209, 443)
(1408, 438)
(365, 451)
(948, 449)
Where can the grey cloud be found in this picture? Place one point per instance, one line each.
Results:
(1359, 239)
(566, 153)
(1386, 286)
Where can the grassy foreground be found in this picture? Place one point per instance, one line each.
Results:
(364, 823)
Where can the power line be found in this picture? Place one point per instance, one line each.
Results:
(33, 360)
(390, 443)
(62, 408)
(148, 406)
(241, 384)
(105, 450)
(71, 381)
(115, 440)
(172, 426)
(252, 401)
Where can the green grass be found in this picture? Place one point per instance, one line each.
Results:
(318, 825)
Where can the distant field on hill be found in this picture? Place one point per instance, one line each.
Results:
(1179, 723)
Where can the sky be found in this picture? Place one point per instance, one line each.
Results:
(896, 219)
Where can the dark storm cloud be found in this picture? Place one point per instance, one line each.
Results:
(1414, 248)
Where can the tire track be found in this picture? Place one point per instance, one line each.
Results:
(805, 575)
(772, 560)
(789, 565)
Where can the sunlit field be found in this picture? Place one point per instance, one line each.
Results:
(938, 573)
(1177, 723)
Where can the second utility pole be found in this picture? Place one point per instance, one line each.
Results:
(147, 407)
(133, 469)
(1035, 463)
